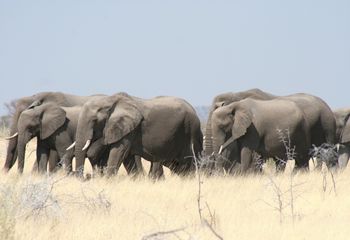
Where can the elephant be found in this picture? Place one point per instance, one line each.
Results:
(257, 126)
(319, 116)
(25, 103)
(55, 129)
(342, 117)
(162, 130)
(225, 99)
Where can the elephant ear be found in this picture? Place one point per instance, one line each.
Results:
(53, 117)
(124, 119)
(242, 120)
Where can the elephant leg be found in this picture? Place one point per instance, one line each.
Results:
(234, 159)
(67, 161)
(42, 156)
(98, 156)
(344, 154)
(54, 160)
(102, 162)
(301, 163)
(156, 171)
(257, 162)
(246, 159)
(118, 153)
(133, 165)
(219, 164)
(35, 167)
(138, 163)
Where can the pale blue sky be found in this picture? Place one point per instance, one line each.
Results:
(191, 49)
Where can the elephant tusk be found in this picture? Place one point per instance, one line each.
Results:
(87, 144)
(71, 146)
(228, 142)
(338, 146)
(220, 150)
(13, 136)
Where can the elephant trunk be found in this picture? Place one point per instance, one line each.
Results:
(218, 143)
(219, 152)
(23, 139)
(83, 138)
(11, 155)
(208, 138)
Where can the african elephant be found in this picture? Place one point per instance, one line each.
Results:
(55, 128)
(342, 117)
(61, 99)
(319, 116)
(225, 99)
(258, 126)
(162, 130)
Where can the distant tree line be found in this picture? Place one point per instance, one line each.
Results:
(5, 120)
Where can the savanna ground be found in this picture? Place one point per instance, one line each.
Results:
(268, 206)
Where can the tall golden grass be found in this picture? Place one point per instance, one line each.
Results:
(59, 207)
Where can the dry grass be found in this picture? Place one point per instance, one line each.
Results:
(59, 207)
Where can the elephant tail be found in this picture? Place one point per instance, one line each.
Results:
(197, 140)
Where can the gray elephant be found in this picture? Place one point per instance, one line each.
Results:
(318, 115)
(258, 126)
(225, 99)
(61, 99)
(162, 130)
(342, 117)
(55, 128)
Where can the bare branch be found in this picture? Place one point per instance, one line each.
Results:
(162, 233)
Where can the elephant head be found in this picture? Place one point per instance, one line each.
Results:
(229, 123)
(41, 121)
(341, 117)
(110, 118)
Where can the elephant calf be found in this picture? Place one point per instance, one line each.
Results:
(258, 126)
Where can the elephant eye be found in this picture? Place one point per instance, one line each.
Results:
(103, 109)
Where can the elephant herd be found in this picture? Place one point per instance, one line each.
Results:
(122, 129)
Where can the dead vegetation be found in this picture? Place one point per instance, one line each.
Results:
(267, 206)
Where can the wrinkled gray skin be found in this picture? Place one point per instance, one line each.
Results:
(254, 125)
(161, 130)
(61, 99)
(318, 115)
(342, 117)
(55, 129)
